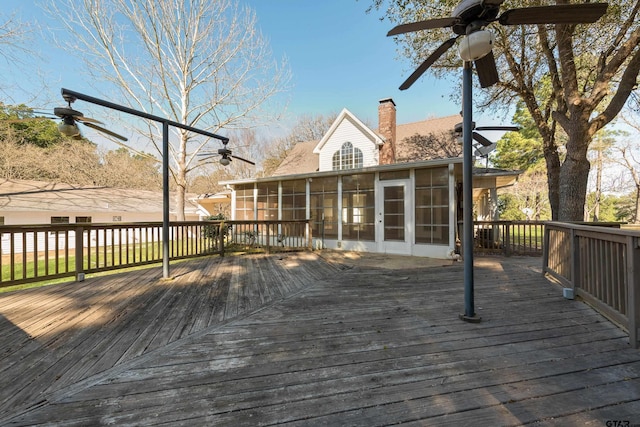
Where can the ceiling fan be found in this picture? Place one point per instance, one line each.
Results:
(70, 117)
(225, 152)
(487, 145)
(471, 17)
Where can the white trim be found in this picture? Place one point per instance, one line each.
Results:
(346, 114)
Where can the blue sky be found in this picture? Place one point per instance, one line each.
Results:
(339, 56)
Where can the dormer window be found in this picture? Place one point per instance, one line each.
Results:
(347, 157)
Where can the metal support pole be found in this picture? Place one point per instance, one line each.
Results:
(467, 195)
(165, 199)
(165, 158)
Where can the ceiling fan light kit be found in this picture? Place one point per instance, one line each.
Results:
(68, 128)
(476, 45)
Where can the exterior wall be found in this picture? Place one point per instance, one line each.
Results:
(347, 131)
(44, 217)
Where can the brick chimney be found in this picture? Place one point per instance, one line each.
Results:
(387, 128)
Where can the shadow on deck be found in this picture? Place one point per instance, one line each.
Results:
(305, 339)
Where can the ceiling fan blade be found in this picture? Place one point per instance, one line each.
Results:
(485, 150)
(86, 119)
(500, 128)
(427, 63)
(244, 160)
(422, 25)
(560, 14)
(107, 131)
(481, 139)
(487, 71)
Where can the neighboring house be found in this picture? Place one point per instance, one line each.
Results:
(394, 190)
(36, 202)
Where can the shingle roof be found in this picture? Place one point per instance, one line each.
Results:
(436, 133)
(301, 159)
(23, 195)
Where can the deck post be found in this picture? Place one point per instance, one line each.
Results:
(268, 250)
(574, 259)
(633, 289)
(221, 233)
(79, 254)
(545, 249)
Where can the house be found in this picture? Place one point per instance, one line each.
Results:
(37, 202)
(395, 190)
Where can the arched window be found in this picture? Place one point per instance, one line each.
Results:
(347, 157)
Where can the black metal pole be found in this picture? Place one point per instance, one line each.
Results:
(467, 195)
(165, 158)
(165, 200)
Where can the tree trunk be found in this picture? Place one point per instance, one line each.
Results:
(636, 220)
(553, 180)
(596, 207)
(574, 174)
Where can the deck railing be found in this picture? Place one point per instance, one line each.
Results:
(508, 237)
(599, 265)
(32, 253)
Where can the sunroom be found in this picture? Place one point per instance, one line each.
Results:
(405, 208)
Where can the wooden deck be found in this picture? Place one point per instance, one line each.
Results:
(299, 340)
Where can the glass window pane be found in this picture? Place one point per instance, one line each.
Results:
(423, 197)
(440, 196)
(440, 216)
(393, 193)
(393, 220)
(423, 234)
(441, 235)
(440, 176)
(423, 216)
(394, 233)
(423, 177)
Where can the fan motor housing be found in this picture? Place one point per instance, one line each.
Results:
(476, 45)
(66, 112)
(469, 10)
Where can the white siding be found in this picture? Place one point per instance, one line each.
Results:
(347, 131)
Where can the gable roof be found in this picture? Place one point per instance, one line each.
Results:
(303, 157)
(347, 115)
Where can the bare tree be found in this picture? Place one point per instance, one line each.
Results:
(306, 129)
(628, 156)
(13, 37)
(202, 63)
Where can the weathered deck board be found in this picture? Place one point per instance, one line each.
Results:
(313, 345)
(65, 333)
